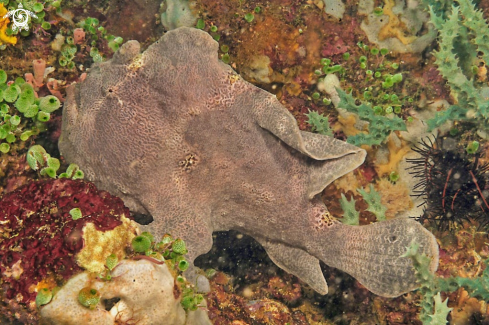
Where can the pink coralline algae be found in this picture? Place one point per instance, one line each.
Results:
(39, 238)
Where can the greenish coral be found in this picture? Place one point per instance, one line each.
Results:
(111, 261)
(319, 123)
(463, 34)
(89, 297)
(49, 104)
(431, 286)
(379, 127)
(172, 251)
(371, 77)
(350, 215)
(73, 171)
(441, 311)
(141, 244)
(11, 93)
(476, 287)
(38, 159)
(19, 112)
(76, 213)
(373, 199)
(179, 247)
(426, 280)
(43, 297)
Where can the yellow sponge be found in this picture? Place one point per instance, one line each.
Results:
(4, 39)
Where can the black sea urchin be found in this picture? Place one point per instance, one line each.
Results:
(455, 187)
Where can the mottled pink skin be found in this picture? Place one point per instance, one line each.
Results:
(177, 134)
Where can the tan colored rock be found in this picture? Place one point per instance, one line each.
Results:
(146, 292)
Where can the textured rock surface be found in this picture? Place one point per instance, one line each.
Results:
(41, 244)
(145, 291)
(179, 135)
(39, 237)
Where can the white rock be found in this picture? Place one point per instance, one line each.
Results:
(145, 290)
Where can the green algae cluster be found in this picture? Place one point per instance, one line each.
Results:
(95, 36)
(319, 123)
(380, 126)
(433, 310)
(22, 114)
(376, 83)
(40, 21)
(171, 251)
(39, 160)
(371, 76)
(373, 199)
(89, 297)
(463, 47)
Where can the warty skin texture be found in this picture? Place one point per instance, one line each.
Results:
(179, 135)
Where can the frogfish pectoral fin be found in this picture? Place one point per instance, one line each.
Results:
(297, 262)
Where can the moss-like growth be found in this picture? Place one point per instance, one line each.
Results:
(11, 93)
(379, 126)
(76, 213)
(179, 247)
(48, 171)
(43, 297)
(191, 300)
(26, 98)
(43, 116)
(51, 168)
(24, 136)
(350, 215)
(15, 120)
(4, 147)
(183, 265)
(3, 77)
(31, 111)
(433, 311)
(38, 7)
(463, 35)
(141, 244)
(49, 104)
(111, 261)
(373, 200)
(89, 297)
(73, 171)
(36, 157)
(149, 235)
(173, 250)
(319, 123)
(4, 131)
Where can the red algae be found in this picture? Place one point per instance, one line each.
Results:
(39, 238)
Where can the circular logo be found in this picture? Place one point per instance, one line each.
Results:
(20, 18)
